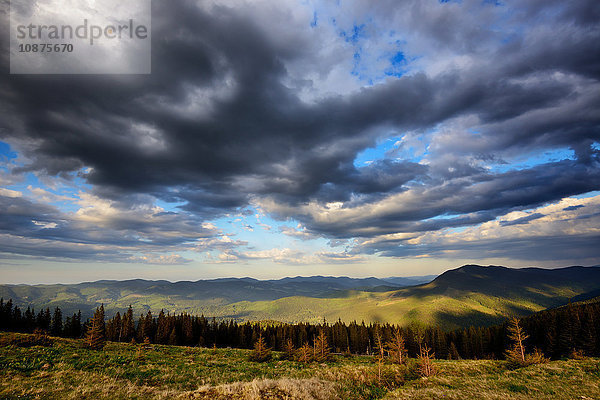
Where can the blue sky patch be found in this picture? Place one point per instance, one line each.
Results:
(531, 160)
(357, 32)
(378, 152)
(5, 152)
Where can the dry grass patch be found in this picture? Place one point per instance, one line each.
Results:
(285, 388)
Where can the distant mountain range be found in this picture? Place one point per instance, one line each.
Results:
(469, 295)
(202, 296)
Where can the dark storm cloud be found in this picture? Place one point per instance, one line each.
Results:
(216, 128)
(17, 215)
(571, 208)
(460, 202)
(550, 234)
(34, 229)
(559, 248)
(523, 220)
(379, 178)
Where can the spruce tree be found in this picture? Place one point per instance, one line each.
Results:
(550, 341)
(4, 315)
(188, 330)
(515, 354)
(321, 347)
(6, 320)
(379, 351)
(173, 337)
(453, 352)
(128, 328)
(147, 327)
(162, 329)
(57, 325)
(566, 340)
(78, 331)
(139, 330)
(29, 322)
(44, 320)
(261, 352)
(304, 353)
(289, 350)
(72, 326)
(397, 347)
(426, 356)
(96, 332)
(116, 328)
(588, 333)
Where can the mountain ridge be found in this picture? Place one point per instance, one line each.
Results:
(468, 295)
(311, 278)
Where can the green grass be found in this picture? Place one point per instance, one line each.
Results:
(484, 379)
(67, 370)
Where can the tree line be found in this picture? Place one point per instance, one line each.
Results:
(556, 333)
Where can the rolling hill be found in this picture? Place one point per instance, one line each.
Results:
(469, 295)
(203, 296)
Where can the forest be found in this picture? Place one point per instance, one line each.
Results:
(565, 331)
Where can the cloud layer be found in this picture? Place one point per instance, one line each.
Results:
(493, 110)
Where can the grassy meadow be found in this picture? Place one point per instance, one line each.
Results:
(65, 369)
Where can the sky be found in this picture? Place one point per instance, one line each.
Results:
(284, 138)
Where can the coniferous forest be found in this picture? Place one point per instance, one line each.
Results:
(557, 333)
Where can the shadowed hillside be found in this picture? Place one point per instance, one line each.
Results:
(470, 295)
(494, 292)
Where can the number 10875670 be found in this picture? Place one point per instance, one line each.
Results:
(45, 48)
